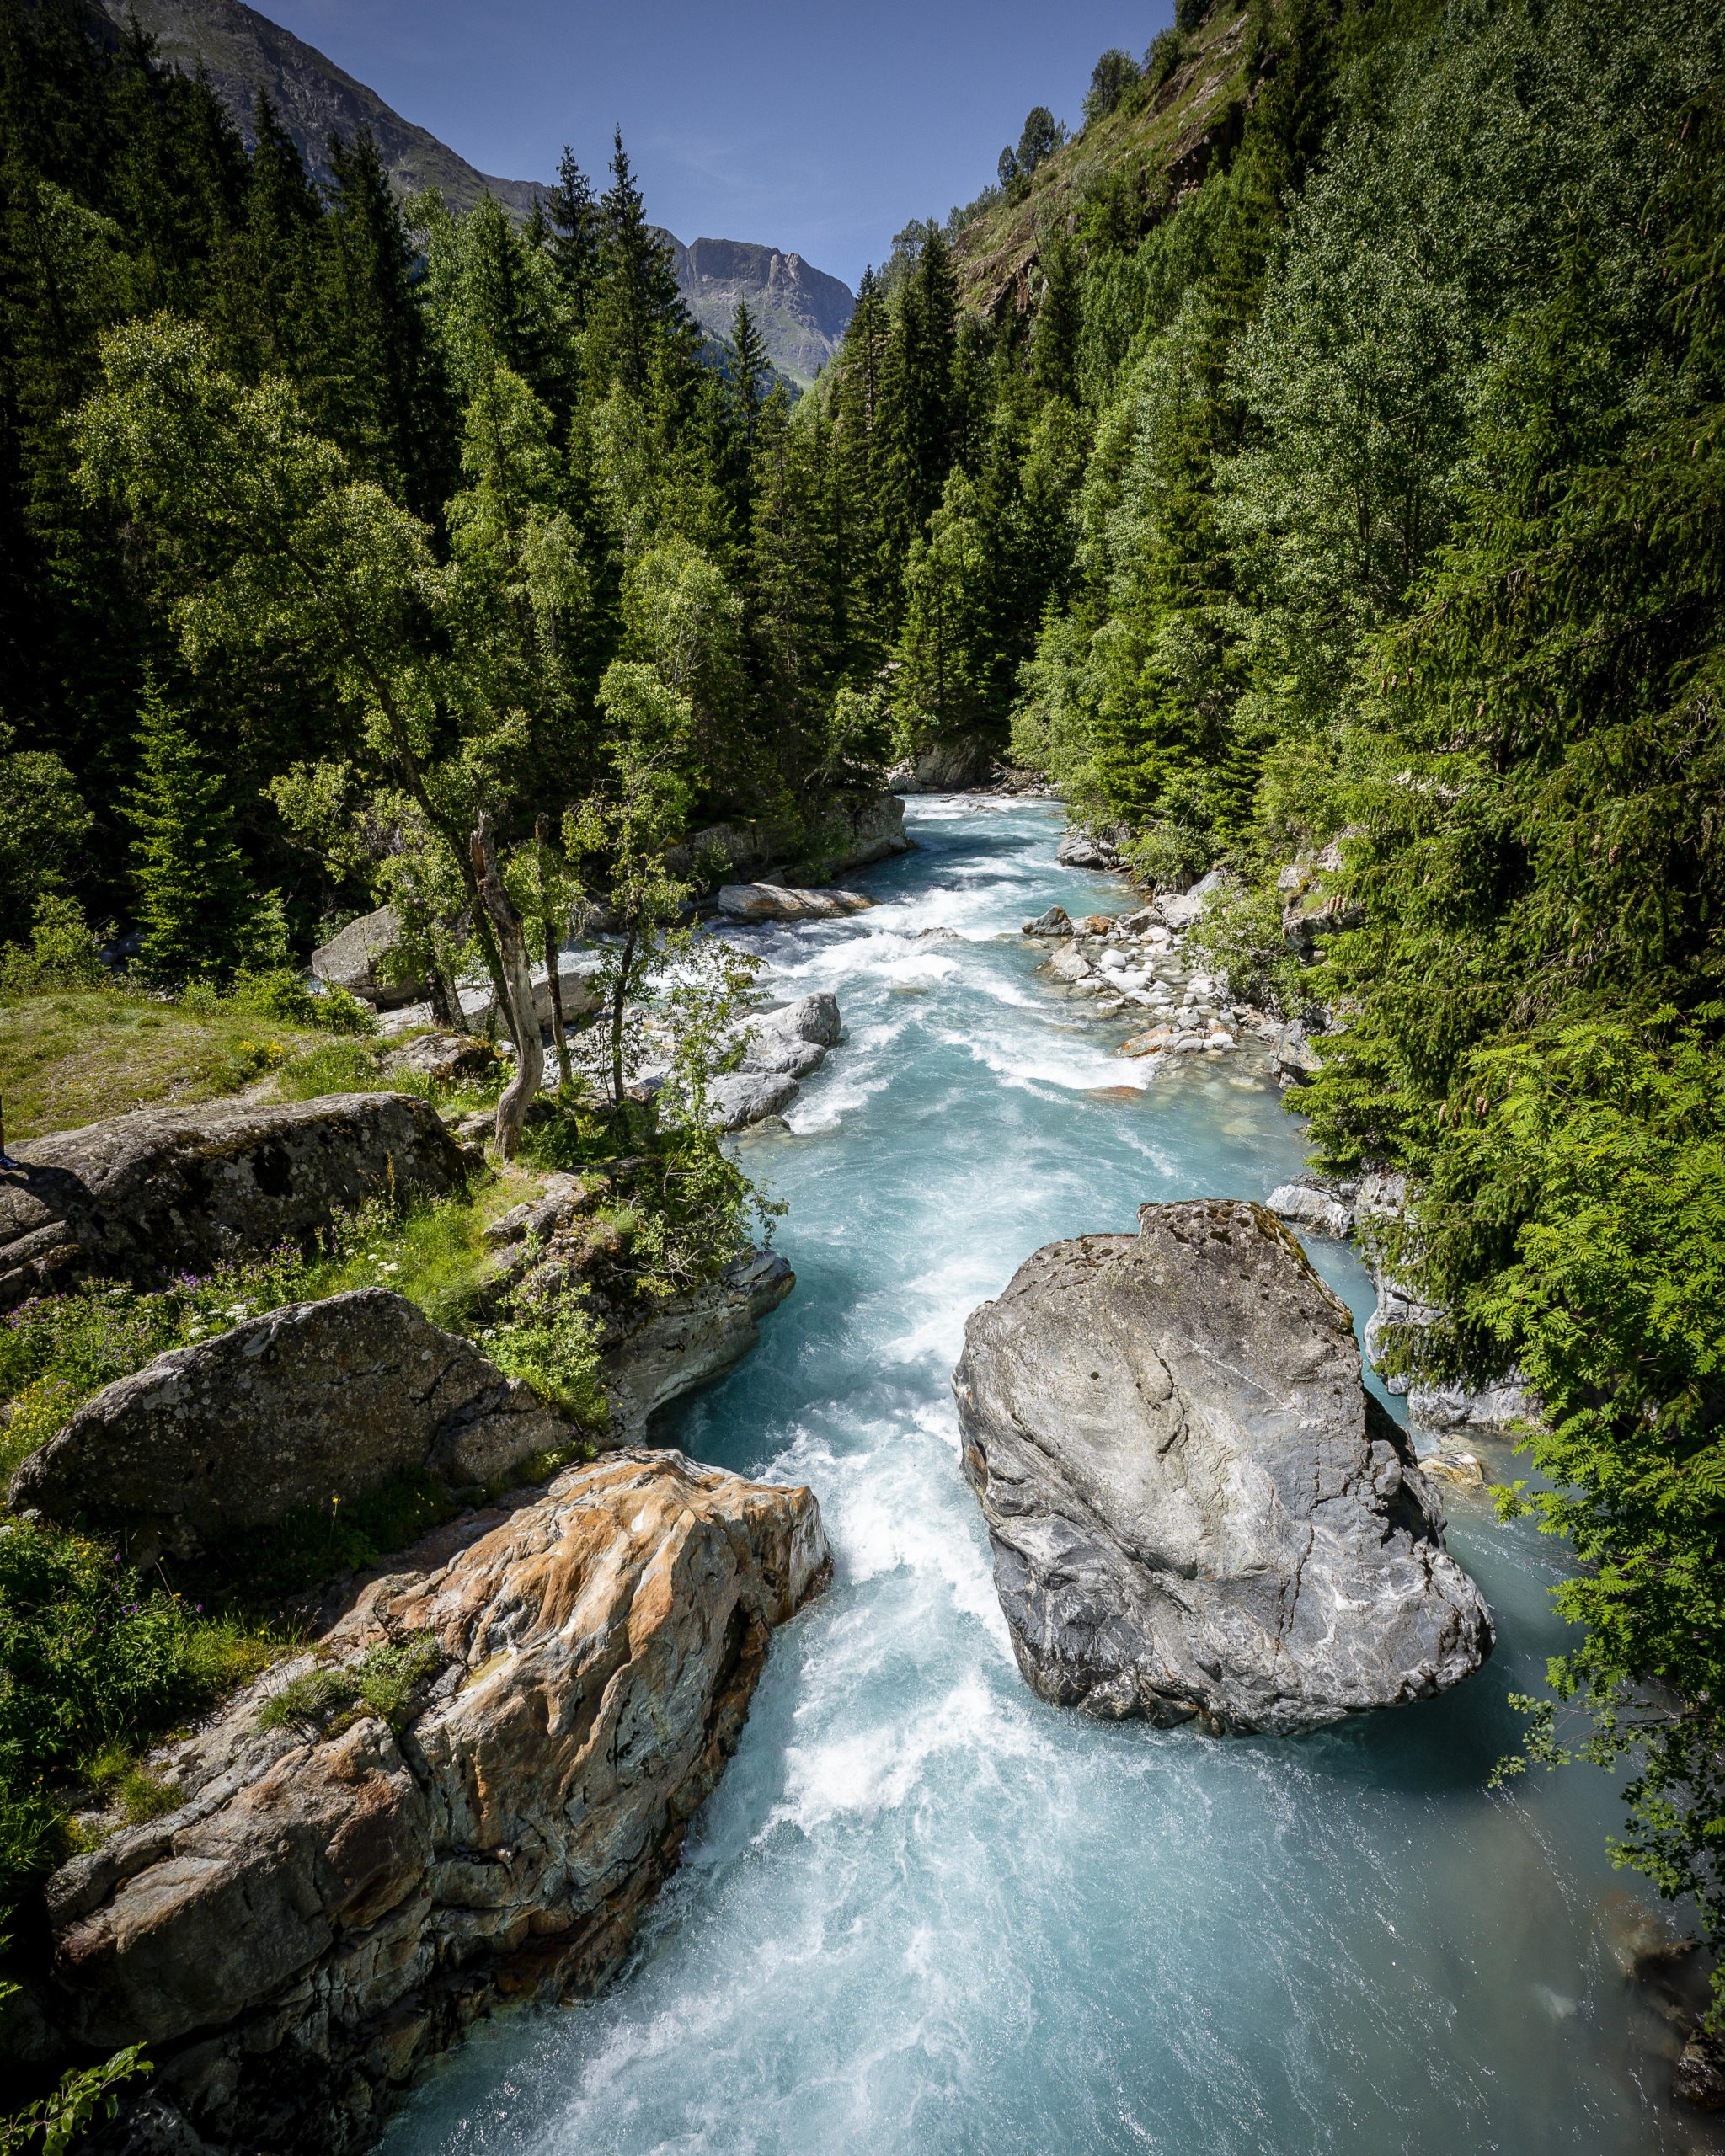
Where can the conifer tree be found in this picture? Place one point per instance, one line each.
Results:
(193, 904)
(573, 218)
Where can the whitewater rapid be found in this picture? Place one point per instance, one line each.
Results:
(926, 1914)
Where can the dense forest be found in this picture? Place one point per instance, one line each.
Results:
(1353, 519)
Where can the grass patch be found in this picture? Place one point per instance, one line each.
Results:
(382, 1682)
(70, 1057)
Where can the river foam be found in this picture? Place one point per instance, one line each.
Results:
(926, 1914)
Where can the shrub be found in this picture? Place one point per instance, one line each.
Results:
(1239, 934)
(91, 1660)
(554, 1344)
(283, 994)
(1168, 49)
(63, 954)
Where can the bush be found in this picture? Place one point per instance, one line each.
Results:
(1168, 49)
(283, 994)
(554, 1345)
(1239, 934)
(91, 1660)
(63, 954)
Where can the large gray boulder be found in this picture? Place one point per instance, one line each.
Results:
(954, 765)
(311, 1405)
(753, 903)
(363, 960)
(793, 1040)
(174, 1190)
(1196, 1509)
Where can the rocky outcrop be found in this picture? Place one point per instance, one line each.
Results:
(953, 764)
(1315, 1207)
(363, 960)
(169, 1190)
(339, 1895)
(754, 903)
(312, 1405)
(1311, 908)
(738, 1099)
(1081, 849)
(689, 1341)
(446, 1058)
(1196, 1509)
(862, 825)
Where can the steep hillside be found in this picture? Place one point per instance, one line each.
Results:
(1150, 152)
(802, 312)
(244, 52)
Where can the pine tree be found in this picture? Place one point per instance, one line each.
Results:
(574, 218)
(640, 323)
(193, 903)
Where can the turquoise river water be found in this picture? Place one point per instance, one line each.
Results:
(926, 1914)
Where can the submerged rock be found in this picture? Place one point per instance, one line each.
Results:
(1195, 1508)
(171, 1190)
(312, 1405)
(339, 1895)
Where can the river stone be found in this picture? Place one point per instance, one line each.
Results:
(762, 902)
(1195, 1508)
(1083, 850)
(738, 1098)
(307, 1406)
(330, 1904)
(172, 1190)
(793, 1040)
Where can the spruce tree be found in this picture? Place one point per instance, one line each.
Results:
(193, 908)
(573, 215)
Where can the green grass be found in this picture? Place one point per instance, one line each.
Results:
(383, 1682)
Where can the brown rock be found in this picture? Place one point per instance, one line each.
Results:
(329, 1906)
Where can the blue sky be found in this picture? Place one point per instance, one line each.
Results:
(818, 128)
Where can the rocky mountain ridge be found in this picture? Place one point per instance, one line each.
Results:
(801, 310)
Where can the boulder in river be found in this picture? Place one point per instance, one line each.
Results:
(1080, 849)
(172, 1190)
(763, 902)
(1196, 1509)
(347, 1884)
(793, 1040)
(1318, 1209)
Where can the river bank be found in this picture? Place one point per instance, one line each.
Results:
(925, 1912)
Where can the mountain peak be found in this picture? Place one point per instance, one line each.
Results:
(801, 310)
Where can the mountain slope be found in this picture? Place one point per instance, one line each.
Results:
(801, 310)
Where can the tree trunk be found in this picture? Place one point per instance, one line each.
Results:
(553, 978)
(619, 998)
(519, 1007)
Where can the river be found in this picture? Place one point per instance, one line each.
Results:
(926, 1914)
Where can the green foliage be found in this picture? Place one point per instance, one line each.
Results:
(554, 1345)
(83, 2096)
(63, 953)
(281, 994)
(384, 1681)
(90, 1658)
(43, 824)
(192, 901)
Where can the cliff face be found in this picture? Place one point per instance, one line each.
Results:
(801, 312)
